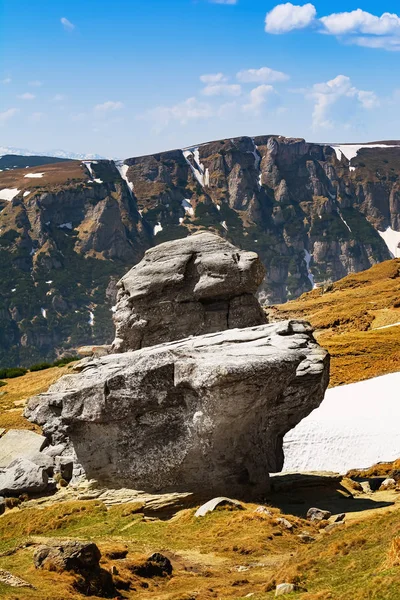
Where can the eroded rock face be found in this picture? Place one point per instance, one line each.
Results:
(191, 286)
(205, 414)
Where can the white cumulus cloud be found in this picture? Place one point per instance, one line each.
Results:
(68, 26)
(358, 26)
(286, 17)
(213, 78)
(327, 94)
(8, 114)
(109, 106)
(262, 75)
(26, 96)
(222, 89)
(6, 81)
(182, 112)
(257, 98)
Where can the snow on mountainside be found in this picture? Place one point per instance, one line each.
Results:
(356, 426)
(56, 153)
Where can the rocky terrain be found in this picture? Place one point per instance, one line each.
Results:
(70, 230)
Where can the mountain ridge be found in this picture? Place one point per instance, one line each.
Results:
(312, 217)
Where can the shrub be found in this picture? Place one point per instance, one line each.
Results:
(11, 373)
(65, 361)
(40, 367)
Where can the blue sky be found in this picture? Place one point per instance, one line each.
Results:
(128, 77)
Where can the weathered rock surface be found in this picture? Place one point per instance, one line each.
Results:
(211, 505)
(205, 414)
(318, 514)
(18, 443)
(197, 285)
(22, 475)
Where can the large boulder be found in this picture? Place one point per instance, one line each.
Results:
(205, 414)
(22, 475)
(192, 286)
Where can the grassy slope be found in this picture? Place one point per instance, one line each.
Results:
(347, 316)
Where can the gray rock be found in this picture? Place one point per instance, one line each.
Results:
(340, 517)
(69, 555)
(317, 514)
(21, 476)
(206, 413)
(284, 588)
(263, 510)
(285, 523)
(388, 484)
(8, 578)
(333, 526)
(64, 465)
(19, 443)
(211, 505)
(192, 286)
(45, 461)
(54, 451)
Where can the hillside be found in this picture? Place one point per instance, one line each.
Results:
(357, 319)
(69, 230)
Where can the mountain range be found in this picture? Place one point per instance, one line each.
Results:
(69, 229)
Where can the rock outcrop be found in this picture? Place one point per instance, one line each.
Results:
(192, 286)
(204, 414)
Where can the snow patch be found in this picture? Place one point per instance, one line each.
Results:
(187, 206)
(355, 427)
(196, 166)
(44, 313)
(350, 151)
(98, 180)
(157, 229)
(123, 170)
(8, 193)
(34, 175)
(224, 225)
(307, 259)
(49, 282)
(257, 162)
(91, 319)
(88, 165)
(392, 241)
(65, 226)
(341, 216)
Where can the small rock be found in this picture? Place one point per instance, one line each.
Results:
(64, 465)
(318, 514)
(366, 488)
(388, 484)
(263, 510)
(242, 568)
(340, 517)
(157, 565)
(216, 502)
(287, 524)
(12, 580)
(21, 476)
(71, 555)
(54, 450)
(44, 461)
(284, 588)
(306, 538)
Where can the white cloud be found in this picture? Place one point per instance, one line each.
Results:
(58, 98)
(109, 106)
(223, 1)
(35, 83)
(6, 81)
(326, 95)
(263, 75)
(68, 26)
(353, 27)
(257, 98)
(26, 96)
(183, 112)
(286, 17)
(361, 22)
(213, 78)
(222, 89)
(8, 114)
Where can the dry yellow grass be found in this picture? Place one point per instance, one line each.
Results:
(347, 316)
(15, 394)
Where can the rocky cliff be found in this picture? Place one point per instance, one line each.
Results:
(313, 213)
